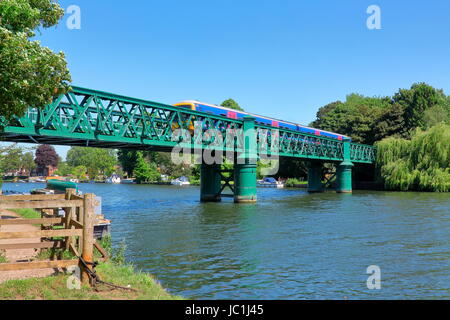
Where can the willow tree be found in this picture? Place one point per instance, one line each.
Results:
(422, 163)
(31, 75)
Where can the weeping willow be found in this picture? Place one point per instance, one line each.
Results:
(420, 164)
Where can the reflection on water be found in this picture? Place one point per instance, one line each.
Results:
(289, 245)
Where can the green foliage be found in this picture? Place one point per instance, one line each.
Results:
(15, 158)
(165, 165)
(422, 163)
(50, 254)
(355, 117)
(128, 160)
(293, 182)
(292, 168)
(415, 101)
(370, 119)
(230, 103)
(32, 75)
(118, 254)
(3, 257)
(145, 171)
(96, 162)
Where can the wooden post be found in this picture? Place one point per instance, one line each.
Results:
(69, 215)
(88, 235)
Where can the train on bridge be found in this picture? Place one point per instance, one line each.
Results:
(239, 115)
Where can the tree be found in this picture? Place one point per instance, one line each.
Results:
(31, 75)
(145, 171)
(128, 160)
(97, 161)
(323, 112)
(230, 103)
(356, 117)
(391, 123)
(27, 162)
(416, 101)
(46, 156)
(11, 158)
(421, 164)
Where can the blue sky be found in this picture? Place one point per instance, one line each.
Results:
(283, 59)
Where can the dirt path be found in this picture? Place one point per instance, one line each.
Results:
(22, 255)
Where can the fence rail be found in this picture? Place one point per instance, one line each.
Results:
(74, 232)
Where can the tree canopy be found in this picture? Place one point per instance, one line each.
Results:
(230, 103)
(46, 156)
(31, 75)
(96, 161)
(370, 119)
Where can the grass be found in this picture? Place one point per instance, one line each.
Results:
(2, 257)
(27, 213)
(114, 271)
(55, 287)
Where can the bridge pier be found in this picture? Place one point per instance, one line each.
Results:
(245, 168)
(344, 178)
(344, 171)
(210, 183)
(315, 170)
(245, 182)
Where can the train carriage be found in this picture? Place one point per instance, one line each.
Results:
(239, 115)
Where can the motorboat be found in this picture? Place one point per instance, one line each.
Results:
(115, 179)
(182, 181)
(270, 183)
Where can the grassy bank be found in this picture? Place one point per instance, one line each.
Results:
(55, 287)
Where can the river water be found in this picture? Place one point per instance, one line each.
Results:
(290, 245)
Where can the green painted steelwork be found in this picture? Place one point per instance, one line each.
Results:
(85, 117)
(315, 175)
(245, 168)
(344, 170)
(210, 183)
(344, 178)
(245, 183)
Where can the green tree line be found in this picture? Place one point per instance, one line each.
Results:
(410, 130)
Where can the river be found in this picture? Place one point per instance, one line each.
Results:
(290, 245)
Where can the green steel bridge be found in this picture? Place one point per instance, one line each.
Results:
(90, 118)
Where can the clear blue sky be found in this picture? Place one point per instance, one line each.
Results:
(283, 59)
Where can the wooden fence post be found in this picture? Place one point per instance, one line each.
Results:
(70, 212)
(88, 235)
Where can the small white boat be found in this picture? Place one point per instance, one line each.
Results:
(115, 179)
(182, 181)
(270, 183)
(128, 181)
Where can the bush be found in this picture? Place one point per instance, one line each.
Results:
(293, 182)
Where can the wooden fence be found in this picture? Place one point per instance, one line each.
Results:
(73, 232)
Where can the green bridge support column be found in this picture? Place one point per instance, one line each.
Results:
(245, 169)
(210, 183)
(315, 170)
(344, 172)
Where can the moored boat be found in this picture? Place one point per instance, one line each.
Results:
(270, 183)
(182, 181)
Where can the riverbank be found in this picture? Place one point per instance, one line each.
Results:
(55, 287)
(45, 284)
